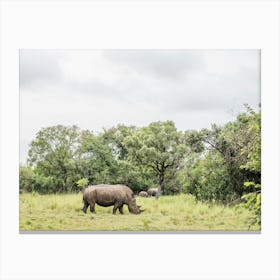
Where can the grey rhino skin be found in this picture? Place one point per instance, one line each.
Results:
(143, 194)
(109, 195)
(152, 192)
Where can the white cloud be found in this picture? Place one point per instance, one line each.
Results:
(96, 89)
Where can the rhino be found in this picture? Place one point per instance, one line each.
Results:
(110, 195)
(143, 194)
(152, 192)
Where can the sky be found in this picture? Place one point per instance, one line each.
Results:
(96, 89)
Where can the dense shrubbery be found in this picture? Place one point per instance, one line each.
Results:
(220, 164)
(207, 179)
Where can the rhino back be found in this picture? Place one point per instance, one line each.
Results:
(107, 195)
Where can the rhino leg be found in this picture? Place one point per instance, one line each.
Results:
(92, 208)
(121, 209)
(116, 206)
(85, 206)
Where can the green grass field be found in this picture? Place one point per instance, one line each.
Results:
(169, 213)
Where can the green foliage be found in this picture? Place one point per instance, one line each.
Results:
(253, 150)
(253, 165)
(223, 158)
(82, 183)
(95, 160)
(158, 147)
(218, 165)
(134, 176)
(206, 178)
(32, 181)
(52, 153)
(253, 203)
(27, 179)
(115, 137)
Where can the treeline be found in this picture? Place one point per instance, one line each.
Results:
(220, 164)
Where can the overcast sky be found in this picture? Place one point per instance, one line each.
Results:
(100, 89)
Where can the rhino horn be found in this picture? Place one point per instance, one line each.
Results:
(140, 210)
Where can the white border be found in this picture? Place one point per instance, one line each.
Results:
(156, 24)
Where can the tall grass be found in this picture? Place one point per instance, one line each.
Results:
(169, 213)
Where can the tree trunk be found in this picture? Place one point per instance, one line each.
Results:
(161, 185)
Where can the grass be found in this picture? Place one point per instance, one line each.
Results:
(169, 213)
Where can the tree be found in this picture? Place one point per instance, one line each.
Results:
(31, 181)
(95, 160)
(206, 177)
(253, 164)
(115, 138)
(159, 147)
(136, 176)
(52, 153)
(232, 143)
(27, 179)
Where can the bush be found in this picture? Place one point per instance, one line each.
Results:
(253, 201)
(27, 179)
(206, 178)
(30, 181)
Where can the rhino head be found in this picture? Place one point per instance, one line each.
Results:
(134, 208)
